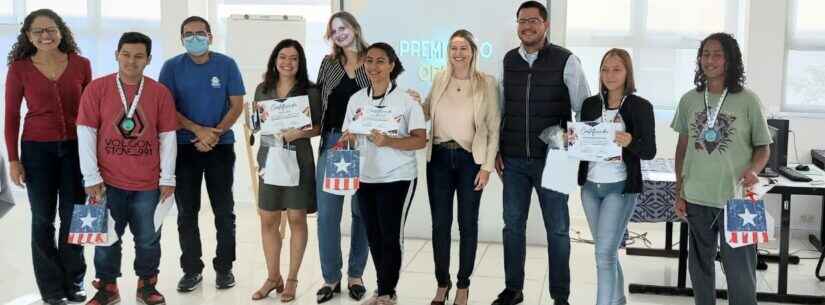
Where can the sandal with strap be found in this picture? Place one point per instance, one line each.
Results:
(289, 291)
(147, 293)
(277, 285)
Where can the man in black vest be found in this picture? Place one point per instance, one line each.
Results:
(542, 84)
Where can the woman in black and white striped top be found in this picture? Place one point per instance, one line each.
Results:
(341, 75)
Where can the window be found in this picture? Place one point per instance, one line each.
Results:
(805, 70)
(663, 43)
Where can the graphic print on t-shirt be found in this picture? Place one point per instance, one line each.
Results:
(136, 126)
(128, 144)
(723, 127)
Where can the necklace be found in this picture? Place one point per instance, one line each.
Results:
(458, 83)
(710, 134)
(127, 124)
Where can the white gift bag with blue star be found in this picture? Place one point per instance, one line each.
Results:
(746, 222)
(92, 224)
(342, 171)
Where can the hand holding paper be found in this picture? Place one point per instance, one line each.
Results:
(163, 208)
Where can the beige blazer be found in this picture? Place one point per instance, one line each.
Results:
(486, 114)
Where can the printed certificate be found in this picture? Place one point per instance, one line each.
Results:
(594, 141)
(278, 115)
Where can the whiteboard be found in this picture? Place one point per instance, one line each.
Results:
(250, 40)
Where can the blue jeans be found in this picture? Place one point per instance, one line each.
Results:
(452, 171)
(54, 185)
(608, 211)
(520, 177)
(330, 208)
(137, 209)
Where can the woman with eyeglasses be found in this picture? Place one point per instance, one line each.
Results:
(46, 70)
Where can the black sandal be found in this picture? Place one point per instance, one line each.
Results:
(357, 291)
(326, 293)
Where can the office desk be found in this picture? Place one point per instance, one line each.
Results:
(786, 189)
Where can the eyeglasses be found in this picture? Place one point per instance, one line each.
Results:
(530, 21)
(40, 31)
(198, 33)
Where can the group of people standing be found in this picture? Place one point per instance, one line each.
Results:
(136, 142)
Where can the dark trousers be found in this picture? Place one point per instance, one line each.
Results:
(384, 208)
(707, 230)
(217, 166)
(452, 171)
(54, 185)
(520, 177)
(137, 210)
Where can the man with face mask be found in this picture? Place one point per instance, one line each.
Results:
(208, 92)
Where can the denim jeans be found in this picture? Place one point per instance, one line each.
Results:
(608, 211)
(217, 166)
(452, 171)
(136, 209)
(330, 208)
(520, 177)
(706, 236)
(54, 185)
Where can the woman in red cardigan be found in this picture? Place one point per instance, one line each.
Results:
(46, 70)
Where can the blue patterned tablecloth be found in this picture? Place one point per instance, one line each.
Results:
(655, 203)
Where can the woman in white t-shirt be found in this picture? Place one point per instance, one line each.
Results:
(387, 126)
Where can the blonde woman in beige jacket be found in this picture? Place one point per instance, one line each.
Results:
(461, 152)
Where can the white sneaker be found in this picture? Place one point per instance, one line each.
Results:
(387, 300)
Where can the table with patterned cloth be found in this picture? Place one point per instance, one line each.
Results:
(655, 203)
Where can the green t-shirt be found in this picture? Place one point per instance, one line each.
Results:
(711, 169)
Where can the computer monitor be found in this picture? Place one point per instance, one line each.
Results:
(779, 149)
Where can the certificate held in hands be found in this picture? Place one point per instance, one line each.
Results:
(365, 119)
(594, 141)
(282, 114)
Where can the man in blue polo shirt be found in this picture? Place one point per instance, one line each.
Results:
(208, 92)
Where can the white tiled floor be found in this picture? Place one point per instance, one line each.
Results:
(417, 283)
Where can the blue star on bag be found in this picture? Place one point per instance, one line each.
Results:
(92, 225)
(342, 171)
(746, 222)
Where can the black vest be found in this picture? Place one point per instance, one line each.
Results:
(534, 98)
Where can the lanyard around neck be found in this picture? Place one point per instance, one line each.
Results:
(130, 111)
(712, 114)
(604, 106)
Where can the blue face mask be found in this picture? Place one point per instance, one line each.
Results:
(196, 45)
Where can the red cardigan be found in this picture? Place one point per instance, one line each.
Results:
(52, 105)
